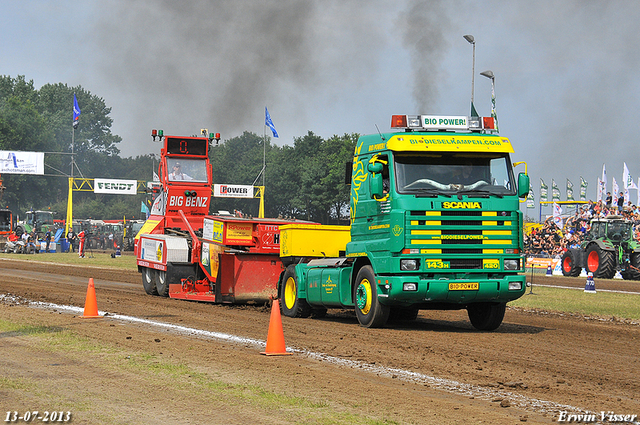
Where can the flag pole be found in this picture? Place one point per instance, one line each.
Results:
(69, 219)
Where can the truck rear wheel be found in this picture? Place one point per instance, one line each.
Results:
(486, 316)
(568, 264)
(290, 303)
(161, 283)
(148, 281)
(600, 262)
(369, 311)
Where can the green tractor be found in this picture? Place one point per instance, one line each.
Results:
(40, 221)
(609, 247)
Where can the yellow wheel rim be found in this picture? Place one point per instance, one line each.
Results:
(363, 296)
(290, 293)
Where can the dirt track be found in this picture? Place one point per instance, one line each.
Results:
(437, 369)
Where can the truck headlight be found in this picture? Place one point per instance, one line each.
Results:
(515, 286)
(409, 265)
(512, 264)
(410, 286)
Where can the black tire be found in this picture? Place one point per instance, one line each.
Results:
(486, 316)
(369, 311)
(162, 286)
(569, 265)
(403, 314)
(290, 304)
(633, 269)
(600, 262)
(149, 281)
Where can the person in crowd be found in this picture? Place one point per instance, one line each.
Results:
(71, 238)
(82, 236)
(47, 241)
(620, 202)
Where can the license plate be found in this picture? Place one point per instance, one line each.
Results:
(464, 286)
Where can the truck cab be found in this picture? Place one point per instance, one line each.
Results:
(435, 224)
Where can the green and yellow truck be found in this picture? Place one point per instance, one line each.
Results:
(435, 224)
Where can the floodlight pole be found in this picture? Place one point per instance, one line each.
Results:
(489, 74)
(472, 41)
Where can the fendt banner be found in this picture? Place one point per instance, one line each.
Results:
(232, 191)
(115, 187)
(18, 162)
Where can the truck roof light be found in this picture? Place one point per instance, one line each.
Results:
(474, 123)
(398, 121)
(488, 123)
(442, 123)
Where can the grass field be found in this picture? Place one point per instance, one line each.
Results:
(604, 304)
(94, 259)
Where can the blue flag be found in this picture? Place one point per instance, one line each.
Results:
(268, 122)
(144, 208)
(76, 112)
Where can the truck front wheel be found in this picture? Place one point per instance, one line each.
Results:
(369, 311)
(291, 305)
(148, 281)
(486, 316)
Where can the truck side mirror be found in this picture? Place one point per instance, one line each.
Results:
(375, 181)
(523, 185)
(348, 170)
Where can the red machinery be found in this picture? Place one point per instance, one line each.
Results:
(182, 252)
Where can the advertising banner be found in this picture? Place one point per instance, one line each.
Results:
(232, 191)
(17, 162)
(115, 187)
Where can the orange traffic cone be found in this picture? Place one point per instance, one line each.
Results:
(90, 304)
(275, 337)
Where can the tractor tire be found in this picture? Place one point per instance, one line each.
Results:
(569, 265)
(633, 272)
(290, 304)
(600, 262)
(369, 311)
(162, 286)
(149, 281)
(486, 316)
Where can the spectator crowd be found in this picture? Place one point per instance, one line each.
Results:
(548, 240)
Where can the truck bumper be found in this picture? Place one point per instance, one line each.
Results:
(398, 290)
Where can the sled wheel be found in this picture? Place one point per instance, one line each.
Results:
(486, 316)
(162, 286)
(148, 281)
(290, 303)
(369, 311)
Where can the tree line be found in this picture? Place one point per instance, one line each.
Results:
(304, 181)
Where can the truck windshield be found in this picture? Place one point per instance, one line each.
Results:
(454, 173)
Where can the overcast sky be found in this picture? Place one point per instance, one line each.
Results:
(567, 72)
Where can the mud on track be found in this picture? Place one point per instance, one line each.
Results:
(535, 363)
